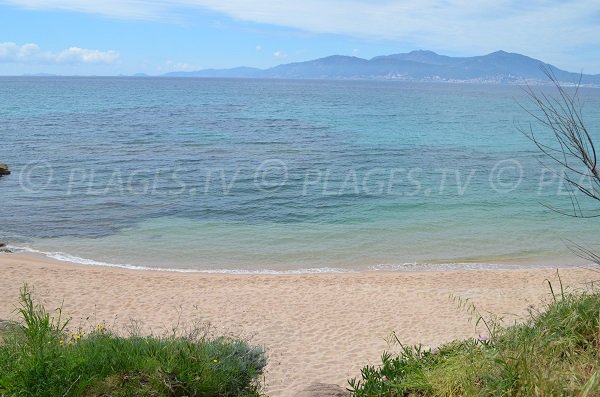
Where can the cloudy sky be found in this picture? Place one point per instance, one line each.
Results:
(108, 37)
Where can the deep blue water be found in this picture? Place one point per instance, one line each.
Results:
(268, 174)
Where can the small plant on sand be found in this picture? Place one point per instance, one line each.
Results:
(556, 352)
(40, 357)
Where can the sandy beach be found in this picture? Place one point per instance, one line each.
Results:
(315, 327)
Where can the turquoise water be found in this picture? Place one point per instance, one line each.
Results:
(253, 175)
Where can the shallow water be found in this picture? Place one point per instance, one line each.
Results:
(280, 175)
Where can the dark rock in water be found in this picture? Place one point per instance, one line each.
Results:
(323, 390)
(4, 249)
(4, 170)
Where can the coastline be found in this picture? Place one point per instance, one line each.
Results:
(435, 266)
(320, 327)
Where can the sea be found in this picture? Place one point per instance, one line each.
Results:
(284, 176)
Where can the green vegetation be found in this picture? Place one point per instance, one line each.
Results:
(556, 352)
(40, 357)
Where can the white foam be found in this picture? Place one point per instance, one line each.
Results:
(457, 266)
(64, 257)
(401, 267)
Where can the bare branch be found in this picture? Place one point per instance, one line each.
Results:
(573, 149)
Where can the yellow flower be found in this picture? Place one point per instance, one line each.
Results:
(215, 361)
(78, 336)
(100, 327)
(61, 342)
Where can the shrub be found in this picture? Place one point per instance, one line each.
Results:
(40, 358)
(556, 352)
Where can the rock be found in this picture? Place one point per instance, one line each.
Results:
(4, 249)
(323, 390)
(4, 170)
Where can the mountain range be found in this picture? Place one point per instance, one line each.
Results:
(498, 67)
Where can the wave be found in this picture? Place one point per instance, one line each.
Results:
(402, 267)
(64, 257)
(457, 266)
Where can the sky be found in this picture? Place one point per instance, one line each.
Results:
(111, 37)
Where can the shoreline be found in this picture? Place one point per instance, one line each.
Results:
(466, 265)
(320, 327)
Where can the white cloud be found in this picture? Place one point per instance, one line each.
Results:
(259, 48)
(280, 54)
(129, 9)
(32, 53)
(12, 52)
(548, 29)
(174, 66)
(455, 25)
(76, 54)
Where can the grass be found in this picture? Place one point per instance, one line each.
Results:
(40, 357)
(556, 352)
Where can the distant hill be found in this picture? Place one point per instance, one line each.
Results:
(235, 72)
(498, 67)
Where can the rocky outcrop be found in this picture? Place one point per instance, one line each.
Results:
(4, 249)
(4, 170)
(323, 390)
